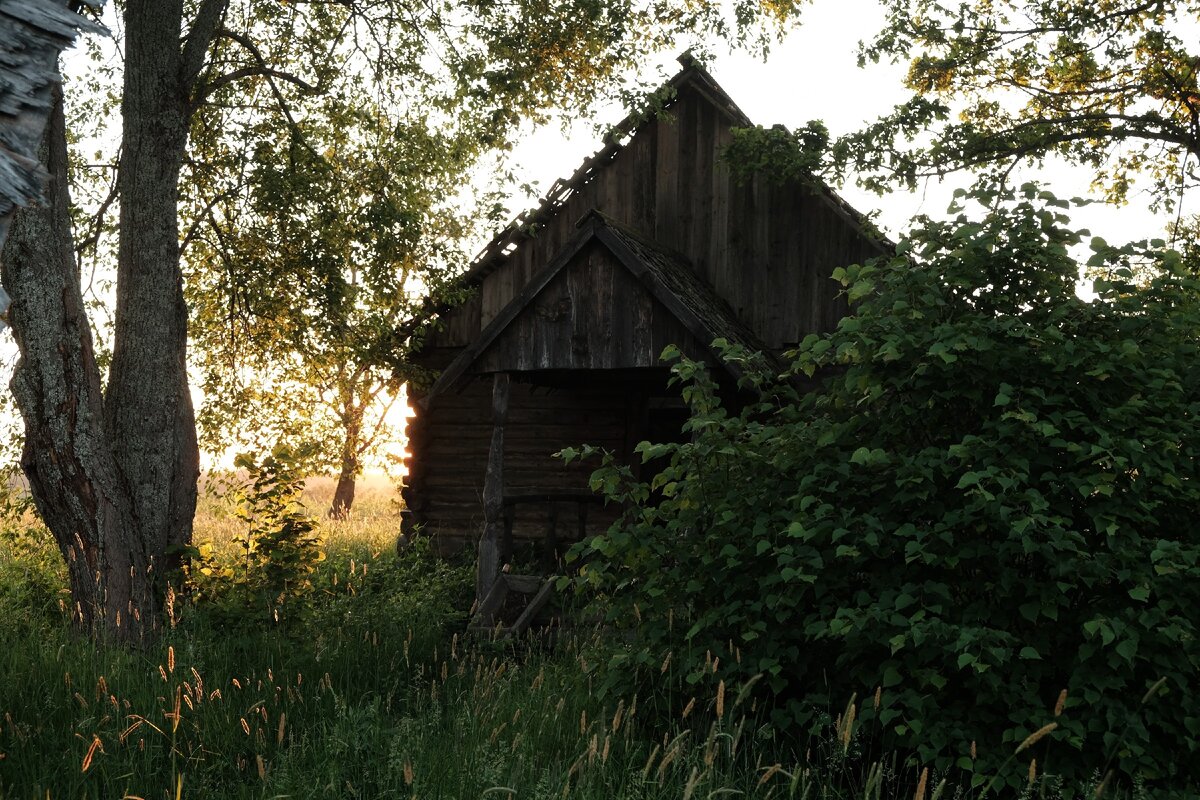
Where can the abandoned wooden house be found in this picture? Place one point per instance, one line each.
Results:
(651, 242)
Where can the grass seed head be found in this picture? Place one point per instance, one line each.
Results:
(1061, 704)
(87, 759)
(1037, 736)
(770, 772)
(616, 720)
(921, 784)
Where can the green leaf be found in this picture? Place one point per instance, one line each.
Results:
(967, 480)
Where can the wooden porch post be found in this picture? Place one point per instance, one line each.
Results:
(488, 565)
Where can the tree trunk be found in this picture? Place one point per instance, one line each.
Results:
(114, 476)
(148, 413)
(74, 479)
(343, 495)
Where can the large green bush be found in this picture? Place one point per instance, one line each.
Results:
(992, 498)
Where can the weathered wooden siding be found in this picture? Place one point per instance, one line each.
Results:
(593, 315)
(767, 248)
(448, 452)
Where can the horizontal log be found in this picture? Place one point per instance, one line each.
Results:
(547, 424)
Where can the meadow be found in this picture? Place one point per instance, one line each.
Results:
(367, 687)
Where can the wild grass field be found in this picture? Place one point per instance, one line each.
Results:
(367, 687)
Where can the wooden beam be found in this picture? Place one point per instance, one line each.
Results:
(490, 543)
(535, 605)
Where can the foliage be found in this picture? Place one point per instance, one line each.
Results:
(31, 577)
(987, 506)
(280, 545)
(1110, 85)
(348, 211)
(778, 153)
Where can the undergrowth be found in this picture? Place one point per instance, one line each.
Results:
(373, 691)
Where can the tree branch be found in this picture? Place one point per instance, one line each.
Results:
(254, 72)
(197, 41)
(271, 75)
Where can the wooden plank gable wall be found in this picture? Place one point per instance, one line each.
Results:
(592, 315)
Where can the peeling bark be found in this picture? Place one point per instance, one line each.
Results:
(31, 36)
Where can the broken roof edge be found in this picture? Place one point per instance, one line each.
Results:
(594, 226)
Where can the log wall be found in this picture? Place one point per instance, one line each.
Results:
(448, 454)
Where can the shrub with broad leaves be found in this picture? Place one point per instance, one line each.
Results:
(991, 499)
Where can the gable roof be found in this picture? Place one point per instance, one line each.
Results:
(665, 275)
(693, 75)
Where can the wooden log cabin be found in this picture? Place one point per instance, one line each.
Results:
(651, 242)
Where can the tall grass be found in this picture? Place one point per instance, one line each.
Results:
(373, 692)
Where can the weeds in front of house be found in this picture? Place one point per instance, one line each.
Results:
(374, 692)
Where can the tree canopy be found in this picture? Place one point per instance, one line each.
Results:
(1111, 85)
(354, 213)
